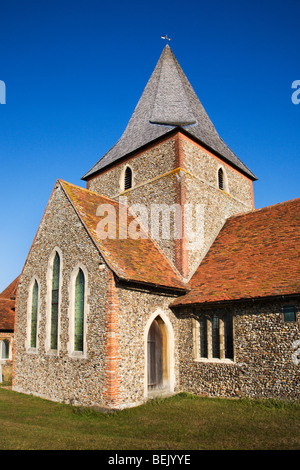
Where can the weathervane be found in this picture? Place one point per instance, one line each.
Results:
(166, 38)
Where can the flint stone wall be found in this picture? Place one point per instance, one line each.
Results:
(136, 307)
(179, 171)
(263, 365)
(146, 166)
(56, 375)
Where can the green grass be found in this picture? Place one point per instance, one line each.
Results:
(183, 422)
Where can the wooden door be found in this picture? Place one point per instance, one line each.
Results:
(155, 356)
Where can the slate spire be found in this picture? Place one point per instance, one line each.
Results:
(168, 102)
(170, 105)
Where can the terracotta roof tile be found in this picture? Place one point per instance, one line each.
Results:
(10, 291)
(255, 255)
(7, 314)
(138, 260)
(7, 306)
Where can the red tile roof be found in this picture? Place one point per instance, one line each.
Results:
(7, 306)
(255, 255)
(10, 291)
(139, 260)
(7, 314)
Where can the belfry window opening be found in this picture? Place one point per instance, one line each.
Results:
(128, 178)
(221, 179)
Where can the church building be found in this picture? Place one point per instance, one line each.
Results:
(160, 276)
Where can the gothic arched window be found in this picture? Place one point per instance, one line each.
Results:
(34, 313)
(79, 311)
(55, 301)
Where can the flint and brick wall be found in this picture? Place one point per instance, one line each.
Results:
(59, 376)
(180, 171)
(148, 165)
(136, 307)
(112, 380)
(201, 183)
(112, 372)
(263, 347)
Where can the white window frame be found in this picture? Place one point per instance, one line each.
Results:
(196, 341)
(72, 284)
(2, 359)
(29, 313)
(49, 300)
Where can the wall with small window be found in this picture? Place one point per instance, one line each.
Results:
(246, 349)
(289, 313)
(144, 166)
(218, 175)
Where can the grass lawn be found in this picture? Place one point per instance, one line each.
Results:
(181, 422)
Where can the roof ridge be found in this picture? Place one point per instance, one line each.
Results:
(278, 204)
(252, 211)
(90, 191)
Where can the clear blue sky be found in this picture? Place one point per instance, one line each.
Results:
(75, 69)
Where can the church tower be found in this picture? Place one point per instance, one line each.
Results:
(171, 166)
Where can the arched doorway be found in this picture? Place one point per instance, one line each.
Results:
(157, 356)
(159, 351)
